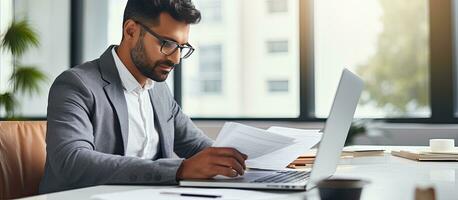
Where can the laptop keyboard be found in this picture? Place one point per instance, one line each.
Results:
(283, 177)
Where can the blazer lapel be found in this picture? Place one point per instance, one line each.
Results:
(160, 124)
(114, 91)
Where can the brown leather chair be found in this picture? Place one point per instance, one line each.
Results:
(22, 157)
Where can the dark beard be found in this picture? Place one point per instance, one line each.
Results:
(145, 66)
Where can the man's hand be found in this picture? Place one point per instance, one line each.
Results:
(213, 161)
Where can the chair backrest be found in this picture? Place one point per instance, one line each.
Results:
(22, 157)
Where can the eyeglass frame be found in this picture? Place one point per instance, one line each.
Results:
(163, 41)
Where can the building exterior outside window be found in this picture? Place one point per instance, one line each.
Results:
(210, 69)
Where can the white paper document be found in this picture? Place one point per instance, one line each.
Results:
(253, 142)
(165, 194)
(304, 140)
(271, 149)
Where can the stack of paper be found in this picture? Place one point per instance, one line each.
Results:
(272, 149)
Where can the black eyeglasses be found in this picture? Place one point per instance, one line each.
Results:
(168, 47)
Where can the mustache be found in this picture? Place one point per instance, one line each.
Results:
(166, 63)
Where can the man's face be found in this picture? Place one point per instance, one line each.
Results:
(146, 54)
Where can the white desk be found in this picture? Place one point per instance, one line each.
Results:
(391, 177)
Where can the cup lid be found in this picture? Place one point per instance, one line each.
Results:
(342, 183)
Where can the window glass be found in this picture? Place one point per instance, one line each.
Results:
(210, 69)
(386, 42)
(213, 10)
(278, 86)
(277, 6)
(280, 46)
(103, 27)
(238, 84)
(51, 57)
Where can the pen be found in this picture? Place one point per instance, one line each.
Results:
(192, 194)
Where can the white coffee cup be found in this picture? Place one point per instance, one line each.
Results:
(442, 145)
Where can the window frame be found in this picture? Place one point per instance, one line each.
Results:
(442, 65)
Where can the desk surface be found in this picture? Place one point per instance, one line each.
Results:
(391, 177)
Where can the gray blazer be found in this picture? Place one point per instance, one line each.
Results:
(88, 130)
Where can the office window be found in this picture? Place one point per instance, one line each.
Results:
(212, 8)
(51, 57)
(277, 6)
(277, 86)
(6, 17)
(210, 69)
(386, 42)
(245, 65)
(105, 18)
(277, 46)
(210, 86)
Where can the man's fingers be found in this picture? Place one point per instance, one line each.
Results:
(231, 152)
(225, 171)
(230, 163)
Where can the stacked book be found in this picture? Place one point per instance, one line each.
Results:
(348, 152)
(427, 155)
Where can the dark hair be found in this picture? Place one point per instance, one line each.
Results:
(147, 11)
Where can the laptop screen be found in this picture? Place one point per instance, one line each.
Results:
(337, 126)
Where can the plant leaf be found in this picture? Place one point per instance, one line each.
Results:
(8, 101)
(27, 79)
(19, 37)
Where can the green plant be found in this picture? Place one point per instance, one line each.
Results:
(25, 79)
(396, 76)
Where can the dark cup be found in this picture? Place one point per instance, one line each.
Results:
(342, 189)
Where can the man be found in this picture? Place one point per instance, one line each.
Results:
(114, 121)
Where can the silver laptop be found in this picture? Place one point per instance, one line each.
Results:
(334, 135)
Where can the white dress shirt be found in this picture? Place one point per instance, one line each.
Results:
(143, 140)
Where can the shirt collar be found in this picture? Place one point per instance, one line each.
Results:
(128, 80)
